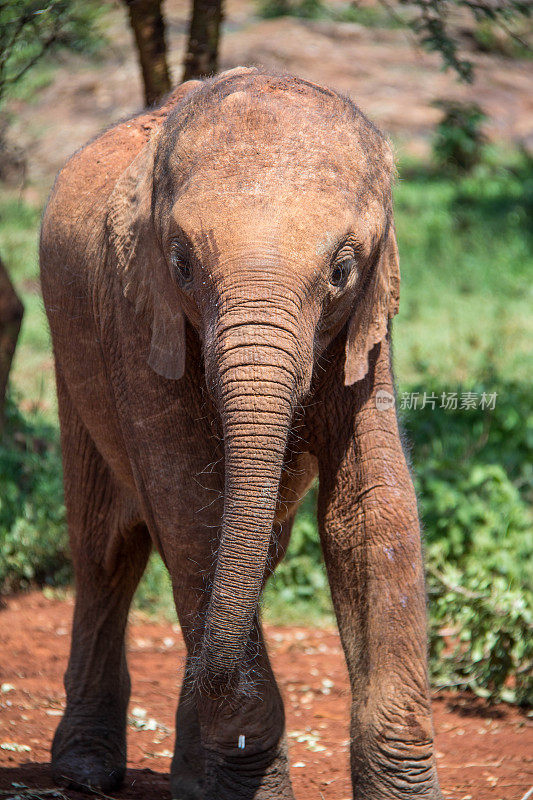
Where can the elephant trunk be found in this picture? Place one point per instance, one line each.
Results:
(256, 373)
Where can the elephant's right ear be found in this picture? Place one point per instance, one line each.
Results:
(142, 268)
(370, 320)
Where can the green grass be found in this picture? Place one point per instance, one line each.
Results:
(466, 261)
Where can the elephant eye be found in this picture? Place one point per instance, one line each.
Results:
(180, 262)
(341, 271)
(344, 263)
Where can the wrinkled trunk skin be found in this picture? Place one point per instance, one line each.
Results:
(255, 433)
(254, 370)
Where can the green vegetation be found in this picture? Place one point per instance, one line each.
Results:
(32, 29)
(433, 24)
(474, 479)
(369, 16)
(466, 257)
(465, 325)
(459, 141)
(32, 371)
(33, 542)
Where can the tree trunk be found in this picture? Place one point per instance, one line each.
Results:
(148, 26)
(201, 58)
(11, 312)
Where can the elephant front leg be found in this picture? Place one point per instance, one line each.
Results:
(243, 734)
(89, 747)
(187, 769)
(109, 556)
(371, 539)
(232, 746)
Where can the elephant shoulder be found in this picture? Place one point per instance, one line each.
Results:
(89, 176)
(83, 185)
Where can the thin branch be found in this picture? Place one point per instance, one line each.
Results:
(513, 35)
(31, 63)
(452, 587)
(9, 46)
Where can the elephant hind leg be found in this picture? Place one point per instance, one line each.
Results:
(110, 547)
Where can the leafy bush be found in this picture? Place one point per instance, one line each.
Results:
(474, 478)
(486, 453)
(459, 141)
(480, 632)
(33, 541)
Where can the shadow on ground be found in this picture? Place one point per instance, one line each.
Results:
(35, 780)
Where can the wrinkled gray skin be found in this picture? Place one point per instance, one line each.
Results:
(219, 275)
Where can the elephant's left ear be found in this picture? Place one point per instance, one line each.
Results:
(141, 265)
(370, 318)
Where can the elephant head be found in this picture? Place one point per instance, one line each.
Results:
(259, 214)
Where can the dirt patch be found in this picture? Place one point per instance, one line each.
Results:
(483, 752)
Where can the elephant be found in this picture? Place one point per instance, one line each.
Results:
(219, 274)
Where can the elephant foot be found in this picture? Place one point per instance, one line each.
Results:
(186, 773)
(240, 779)
(409, 775)
(87, 759)
(185, 787)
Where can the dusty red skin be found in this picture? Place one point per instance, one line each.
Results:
(483, 751)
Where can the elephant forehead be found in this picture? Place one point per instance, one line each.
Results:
(237, 226)
(303, 192)
(277, 168)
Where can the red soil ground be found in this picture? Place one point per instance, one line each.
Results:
(484, 752)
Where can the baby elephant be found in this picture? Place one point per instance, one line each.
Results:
(219, 275)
